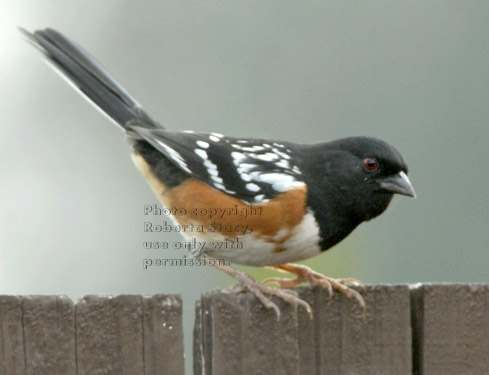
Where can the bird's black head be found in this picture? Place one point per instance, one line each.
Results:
(355, 180)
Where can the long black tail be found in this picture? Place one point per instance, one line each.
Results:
(90, 78)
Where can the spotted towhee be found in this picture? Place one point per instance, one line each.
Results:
(309, 197)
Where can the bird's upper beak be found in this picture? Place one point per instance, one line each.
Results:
(398, 184)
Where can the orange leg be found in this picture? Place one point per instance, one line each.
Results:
(307, 275)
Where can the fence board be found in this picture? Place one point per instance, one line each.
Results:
(49, 335)
(109, 335)
(307, 329)
(451, 326)
(163, 338)
(198, 336)
(99, 335)
(12, 355)
(339, 340)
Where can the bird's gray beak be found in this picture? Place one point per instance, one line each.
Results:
(398, 184)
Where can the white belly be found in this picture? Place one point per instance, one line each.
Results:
(303, 243)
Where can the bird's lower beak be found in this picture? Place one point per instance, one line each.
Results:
(398, 184)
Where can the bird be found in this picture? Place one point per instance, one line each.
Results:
(302, 199)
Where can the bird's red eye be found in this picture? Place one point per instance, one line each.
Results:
(370, 164)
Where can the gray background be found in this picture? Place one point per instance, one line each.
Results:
(415, 73)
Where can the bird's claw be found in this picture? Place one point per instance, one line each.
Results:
(306, 274)
(261, 291)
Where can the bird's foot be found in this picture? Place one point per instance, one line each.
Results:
(262, 291)
(307, 275)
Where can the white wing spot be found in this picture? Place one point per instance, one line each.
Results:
(238, 157)
(282, 154)
(245, 167)
(280, 182)
(245, 177)
(202, 144)
(211, 167)
(283, 164)
(248, 149)
(214, 138)
(201, 153)
(256, 175)
(269, 156)
(217, 179)
(252, 187)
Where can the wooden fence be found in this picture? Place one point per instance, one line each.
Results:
(426, 329)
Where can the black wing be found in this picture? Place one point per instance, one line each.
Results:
(253, 170)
